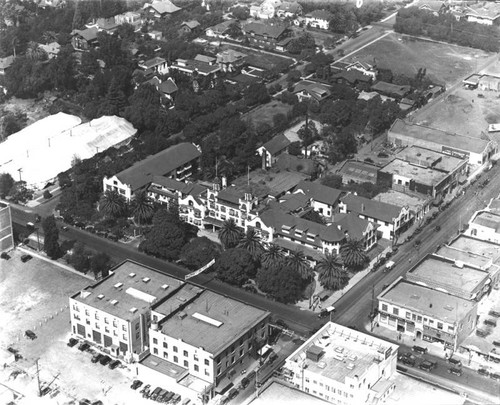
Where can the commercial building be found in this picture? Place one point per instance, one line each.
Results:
(343, 366)
(418, 204)
(390, 219)
(6, 234)
(114, 313)
(476, 151)
(358, 172)
(203, 336)
(485, 225)
(425, 313)
(177, 162)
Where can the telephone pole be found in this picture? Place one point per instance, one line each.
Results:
(38, 378)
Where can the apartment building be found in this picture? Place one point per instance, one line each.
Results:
(177, 162)
(390, 219)
(343, 366)
(114, 314)
(204, 335)
(425, 313)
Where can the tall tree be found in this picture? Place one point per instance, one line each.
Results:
(34, 52)
(6, 184)
(51, 237)
(235, 266)
(115, 100)
(142, 208)
(281, 283)
(251, 242)
(272, 257)
(230, 234)
(331, 272)
(112, 204)
(100, 263)
(199, 251)
(353, 254)
(298, 262)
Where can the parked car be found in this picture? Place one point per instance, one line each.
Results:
(83, 346)
(282, 324)
(407, 359)
(114, 364)
(170, 396)
(162, 394)
(96, 357)
(175, 399)
(30, 334)
(5, 256)
(483, 372)
(245, 383)
(251, 374)
(232, 393)
(145, 388)
(427, 365)
(455, 370)
(455, 362)
(105, 360)
(137, 383)
(495, 376)
(419, 349)
(25, 258)
(72, 342)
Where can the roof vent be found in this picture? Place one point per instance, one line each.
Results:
(131, 275)
(146, 279)
(100, 296)
(165, 286)
(133, 310)
(114, 302)
(118, 285)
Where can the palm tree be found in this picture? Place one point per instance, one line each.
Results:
(353, 253)
(229, 234)
(112, 204)
(297, 260)
(142, 208)
(271, 257)
(251, 242)
(331, 272)
(34, 52)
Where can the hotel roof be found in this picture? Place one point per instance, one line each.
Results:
(371, 208)
(319, 192)
(128, 291)
(346, 352)
(212, 320)
(427, 176)
(278, 393)
(428, 302)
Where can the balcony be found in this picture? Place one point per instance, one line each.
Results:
(183, 169)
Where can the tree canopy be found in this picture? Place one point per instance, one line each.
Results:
(281, 283)
(235, 266)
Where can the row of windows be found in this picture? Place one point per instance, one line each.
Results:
(185, 362)
(418, 318)
(175, 349)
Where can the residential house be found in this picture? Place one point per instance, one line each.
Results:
(156, 35)
(5, 63)
(189, 27)
(201, 65)
(435, 7)
(84, 40)
(264, 35)
(166, 88)
(230, 60)
(108, 25)
(266, 10)
(324, 200)
(311, 91)
(391, 219)
(51, 4)
(154, 65)
(130, 17)
(220, 30)
(363, 67)
(318, 19)
(424, 313)
(340, 365)
(288, 9)
(272, 149)
(486, 13)
(391, 90)
(489, 83)
(160, 9)
(352, 78)
(177, 162)
(52, 49)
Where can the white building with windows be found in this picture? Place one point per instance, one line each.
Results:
(485, 225)
(114, 313)
(324, 200)
(343, 366)
(6, 233)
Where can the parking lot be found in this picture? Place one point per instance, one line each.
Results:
(34, 296)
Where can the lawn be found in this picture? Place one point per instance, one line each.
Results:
(445, 63)
(265, 113)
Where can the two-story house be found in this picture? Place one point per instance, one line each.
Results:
(160, 9)
(263, 35)
(323, 199)
(84, 40)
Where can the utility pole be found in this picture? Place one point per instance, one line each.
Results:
(38, 378)
(372, 311)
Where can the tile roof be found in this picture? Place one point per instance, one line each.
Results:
(289, 6)
(193, 189)
(353, 225)
(272, 31)
(371, 208)
(293, 202)
(222, 27)
(319, 192)
(141, 173)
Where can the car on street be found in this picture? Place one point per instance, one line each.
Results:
(232, 393)
(245, 382)
(455, 362)
(251, 374)
(153, 395)
(137, 383)
(427, 365)
(114, 364)
(96, 357)
(455, 371)
(495, 376)
(419, 349)
(483, 372)
(84, 346)
(25, 258)
(105, 360)
(72, 342)
(145, 388)
(30, 334)
(407, 359)
(5, 256)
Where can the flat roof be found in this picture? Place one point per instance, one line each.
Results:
(423, 175)
(427, 301)
(413, 202)
(488, 220)
(429, 158)
(361, 170)
(439, 273)
(131, 285)
(477, 246)
(470, 258)
(346, 352)
(278, 393)
(164, 366)
(436, 136)
(182, 295)
(235, 319)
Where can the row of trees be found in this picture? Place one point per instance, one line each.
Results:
(445, 27)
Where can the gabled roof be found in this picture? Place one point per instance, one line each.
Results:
(231, 195)
(222, 27)
(163, 6)
(52, 48)
(191, 24)
(88, 34)
(390, 88)
(290, 7)
(293, 202)
(277, 144)
(230, 56)
(315, 89)
(272, 31)
(142, 172)
(352, 76)
(353, 225)
(205, 58)
(168, 86)
(371, 208)
(152, 62)
(107, 23)
(6, 62)
(193, 189)
(318, 192)
(320, 15)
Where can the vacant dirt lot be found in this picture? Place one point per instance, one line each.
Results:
(265, 113)
(445, 63)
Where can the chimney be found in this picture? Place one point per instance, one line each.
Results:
(224, 181)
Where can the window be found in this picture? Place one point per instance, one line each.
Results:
(307, 379)
(408, 315)
(106, 321)
(384, 307)
(207, 362)
(196, 358)
(124, 337)
(206, 372)
(87, 312)
(440, 325)
(186, 354)
(176, 360)
(155, 350)
(75, 307)
(165, 355)
(155, 341)
(395, 311)
(136, 326)
(114, 323)
(115, 333)
(419, 318)
(124, 328)
(137, 335)
(97, 325)
(175, 349)
(96, 316)
(165, 345)
(186, 364)
(87, 321)
(196, 368)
